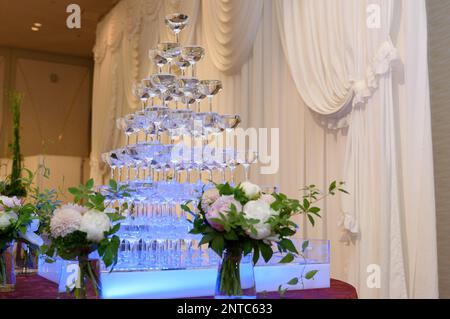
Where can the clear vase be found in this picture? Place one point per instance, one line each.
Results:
(7, 271)
(80, 279)
(26, 259)
(235, 278)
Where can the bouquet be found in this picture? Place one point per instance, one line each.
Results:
(17, 223)
(238, 221)
(77, 230)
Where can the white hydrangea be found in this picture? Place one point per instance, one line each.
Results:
(9, 202)
(259, 209)
(64, 222)
(94, 224)
(252, 191)
(7, 218)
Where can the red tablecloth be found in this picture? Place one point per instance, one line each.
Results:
(36, 287)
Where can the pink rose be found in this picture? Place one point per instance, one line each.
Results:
(221, 205)
(209, 197)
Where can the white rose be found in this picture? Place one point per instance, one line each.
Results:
(259, 209)
(6, 218)
(9, 202)
(251, 190)
(94, 224)
(64, 222)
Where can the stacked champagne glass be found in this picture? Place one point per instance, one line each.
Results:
(168, 158)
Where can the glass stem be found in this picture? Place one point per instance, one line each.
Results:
(210, 103)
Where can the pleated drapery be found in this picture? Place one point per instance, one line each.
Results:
(344, 110)
(230, 29)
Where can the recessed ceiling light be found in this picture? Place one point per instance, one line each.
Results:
(34, 29)
(37, 24)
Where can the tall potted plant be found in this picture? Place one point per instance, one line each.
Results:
(14, 185)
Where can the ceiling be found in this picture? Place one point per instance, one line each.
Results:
(18, 16)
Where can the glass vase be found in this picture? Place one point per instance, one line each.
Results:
(26, 259)
(80, 279)
(235, 278)
(7, 271)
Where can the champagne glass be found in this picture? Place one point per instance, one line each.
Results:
(157, 58)
(176, 22)
(141, 93)
(163, 82)
(199, 96)
(228, 122)
(188, 86)
(192, 54)
(152, 91)
(169, 51)
(182, 65)
(246, 158)
(210, 88)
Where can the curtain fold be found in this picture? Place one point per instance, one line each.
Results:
(230, 28)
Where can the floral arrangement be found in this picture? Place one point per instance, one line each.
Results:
(17, 223)
(238, 221)
(77, 230)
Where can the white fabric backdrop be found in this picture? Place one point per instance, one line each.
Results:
(391, 185)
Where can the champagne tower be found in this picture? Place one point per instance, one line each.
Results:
(169, 157)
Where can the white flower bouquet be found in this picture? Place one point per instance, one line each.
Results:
(238, 221)
(17, 223)
(75, 231)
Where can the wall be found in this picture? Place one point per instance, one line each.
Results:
(439, 61)
(56, 110)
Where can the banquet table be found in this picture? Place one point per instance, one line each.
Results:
(36, 287)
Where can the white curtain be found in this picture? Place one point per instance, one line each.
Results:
(230, 28)
(263, 86)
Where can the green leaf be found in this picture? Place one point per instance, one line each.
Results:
(305, 245)
(310, 274)
(306, 203)
(266, 251)
(255, 253)
(287, 259)
(311, 220)
(90, 184)
(287, 243)
(185, 207)
(332, 187)
(218, 244)
(314, 210)
(113, 184)
(247, 247)
(231, 235)
(74, 191)
(293, 281)
(207, 238)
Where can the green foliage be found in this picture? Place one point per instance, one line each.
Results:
(14, 186)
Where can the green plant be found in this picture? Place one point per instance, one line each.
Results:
(14, 186)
